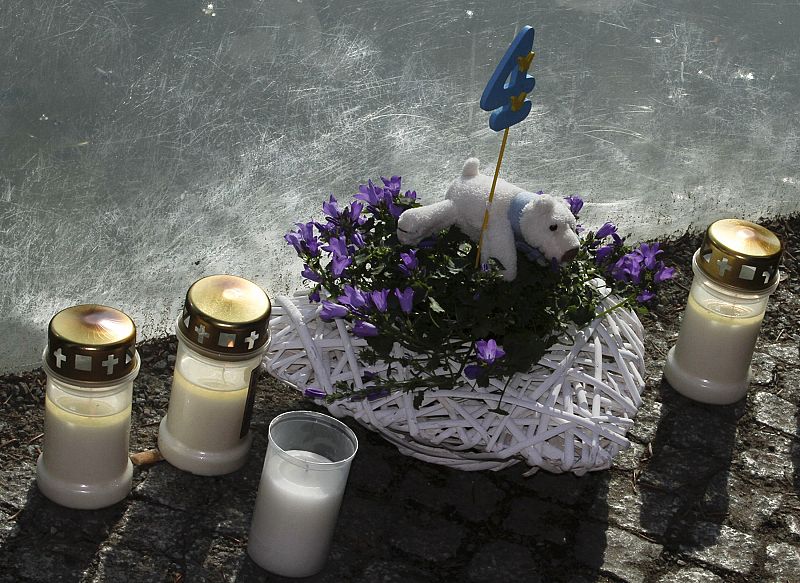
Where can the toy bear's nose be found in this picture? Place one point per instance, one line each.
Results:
(569, 255)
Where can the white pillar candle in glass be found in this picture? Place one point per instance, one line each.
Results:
(302, 484)
(222, 336)
(735, 271)
(91, 362)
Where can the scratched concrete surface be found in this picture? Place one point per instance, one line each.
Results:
(144, 144)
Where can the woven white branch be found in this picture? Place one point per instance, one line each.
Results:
(569, 413)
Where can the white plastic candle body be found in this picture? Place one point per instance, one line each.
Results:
(300, 493)
(711, 360)
(205, 430)
(84, 461)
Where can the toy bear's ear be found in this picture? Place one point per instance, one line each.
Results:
(544, 205)
(470, 168)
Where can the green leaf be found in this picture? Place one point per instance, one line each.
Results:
(435, 306)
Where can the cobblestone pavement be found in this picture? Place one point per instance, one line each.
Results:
(706, 494)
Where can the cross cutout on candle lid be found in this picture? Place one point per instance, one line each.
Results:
(723, 266)
(60, 358)
(109, 363)
(251, 340)
(201, 333)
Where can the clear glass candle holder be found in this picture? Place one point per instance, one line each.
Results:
(91, 364)
(735, 272)
(222, 336)
(302, 484)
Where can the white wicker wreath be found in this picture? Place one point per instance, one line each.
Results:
(569, 413)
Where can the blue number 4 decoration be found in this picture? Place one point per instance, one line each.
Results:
(507, 100)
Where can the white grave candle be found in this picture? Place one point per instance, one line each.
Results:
(222, 336)
(90, 362)
(300, 492)
(734, 272)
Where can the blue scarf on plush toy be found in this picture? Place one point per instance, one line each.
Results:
(514, 215)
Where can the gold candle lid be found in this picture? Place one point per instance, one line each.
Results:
(226, 315)
(741, 255)
(91, 343)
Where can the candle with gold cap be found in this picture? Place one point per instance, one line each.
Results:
(222, 335)
(91, 362)
(735, 271)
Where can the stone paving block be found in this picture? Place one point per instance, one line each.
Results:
(629, 459)
(642, 509)
(750, 509)
(702, 428)
(141, 520)
(564, 489)
(647, 419)
(503, 561)
(428, 537)
(775, 412)
(671, 469)
(622, 554)
(783, 562)
(745, 508)
(122, 565)
(472, 495)
(690, 575)
(395, 572)
(721, 546)
(765, 456)
(540, 520)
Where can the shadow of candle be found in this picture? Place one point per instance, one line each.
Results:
(684, 482)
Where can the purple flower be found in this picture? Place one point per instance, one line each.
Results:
(375, 395)
(370, 194)
(473, 371)
(604, 252)
(313, 297)
(605, 231)
(645, 296)
(310, 274)
(409, 262)
(412, 194)
(663, 273)
(295, 241)
(353, 297)
(339, 264)
(392, 184)
(380, 299)
(337, 246)
(648, 253)
(331, 208)
(628, 268)
(364, 329)
(314, 393)
(406, 298)
(489, 351)
(303, 240)
(330, 311)
(357, 239)
(353, 213)
(393, 209)
(575, 204)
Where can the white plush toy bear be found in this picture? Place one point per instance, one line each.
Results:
(540, 221)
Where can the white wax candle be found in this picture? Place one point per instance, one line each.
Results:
(295, 515)
(200, 432)
(711, 360)
(84, 462)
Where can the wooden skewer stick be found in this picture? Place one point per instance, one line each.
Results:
(491, 197)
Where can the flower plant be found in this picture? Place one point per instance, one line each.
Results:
(429, 308)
